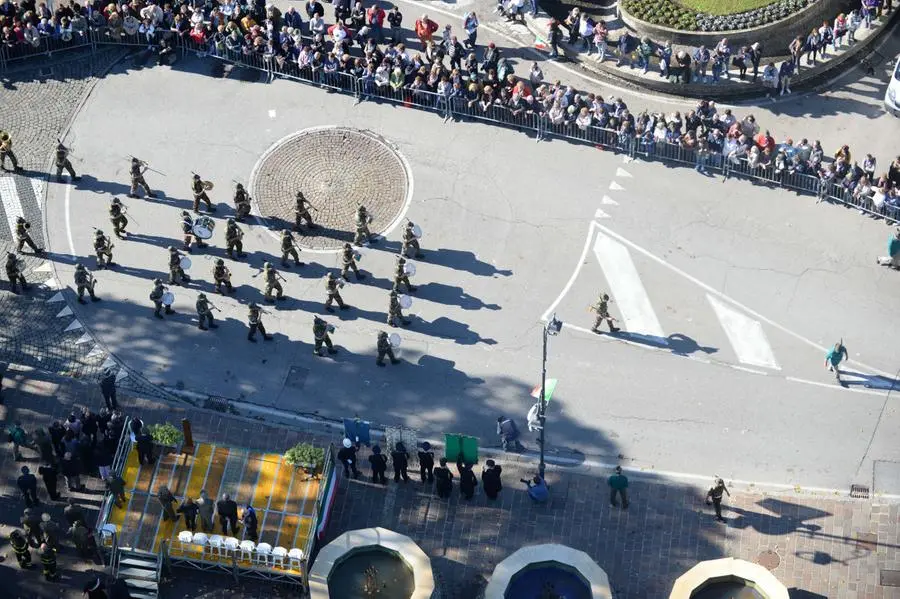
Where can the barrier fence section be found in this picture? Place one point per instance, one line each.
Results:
(526, 119)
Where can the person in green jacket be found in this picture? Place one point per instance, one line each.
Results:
(893, 257)
(618, 485)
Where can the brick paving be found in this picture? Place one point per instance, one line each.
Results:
(817, 541)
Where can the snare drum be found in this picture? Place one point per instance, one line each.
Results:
(417, 231)
(203, 227)
(168, 298)
(185, 263)
(405, 302)
(394, 340)
(409, 269)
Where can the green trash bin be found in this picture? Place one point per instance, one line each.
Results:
(455, 443)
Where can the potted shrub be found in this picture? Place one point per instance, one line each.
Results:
(306, 456)
(166, 434)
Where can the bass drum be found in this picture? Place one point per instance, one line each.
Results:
(417, 231)
(168, 298)
(405, 302)
(185, 263)
(409, 269)
(203, 227)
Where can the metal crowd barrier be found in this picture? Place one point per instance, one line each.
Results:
(46, 46)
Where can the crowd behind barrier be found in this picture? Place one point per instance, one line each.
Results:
(350, 57)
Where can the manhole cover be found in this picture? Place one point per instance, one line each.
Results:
(768, 559)
(336, 168)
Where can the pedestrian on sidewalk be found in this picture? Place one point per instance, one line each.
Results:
(426, 462)
(347, 456)
(470, 24)
(166, 499)
(19, 438)
(115, 485)
(103, 459)
(71, 469)
(51, 530)
(27, 484)
(48, 563)
(490, 479)
(81, 537)
(834, 358)
(145, 447)
(467, 479)
(227, 510)
(190, 510)
(714, 496)
(20, 546)
(250, 523)
(44, 445)
(893, 257)
(57, 434)
(537, 489)
(89, 426)
(205, 510)
(400, 460)
(379, 465)
(73, 423)
(618, 485)
(31, 521)
(443, 479)
(73, 512)
(50, 475)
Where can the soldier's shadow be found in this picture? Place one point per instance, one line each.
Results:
(447, 328)
(353, 313)
(454, 296)
(156, 240)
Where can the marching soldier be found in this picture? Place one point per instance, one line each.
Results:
(363, 236)
(320, 334)
(602, 310)
(385, 349)
(241, 203)
(187, 227)
(400, 276)
(6, 150)
(20, 546)
(289, 249)
(156, 296)
(332, 286)
(103, 249)
(117, 218)
(410, 241)
(271, 280)
(85, 281)
(199, 191)
(204, 313)
(394, 311)
(233, 235)
(138, 169)
(176, 273)
(348, 258)
(62, 162)
(48, 562)
(255, 320)
(13, 273)
(222, 276)
(302, 212)
(23, 237)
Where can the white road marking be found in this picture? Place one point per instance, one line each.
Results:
(616, 187)
(746, 336)
(600, 214)
(51, 284)
(11, 204)
(571, 281)
(272, 114)
(621, 172)
(45, 267)
(74, 326)
(67, 311)
(834, 386)
(86, 338)
(37, 185)
(608, 201)
(69, 220)
(625, 284)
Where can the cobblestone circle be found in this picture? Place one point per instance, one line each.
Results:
(335, 168)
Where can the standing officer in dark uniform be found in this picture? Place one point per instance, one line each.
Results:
(250, 522)
(84, 281)
(62, 162)
(138, 169)
(27, 484)
(320, 335)
(166, 499)
(714, 496)
(363, 219)
(204, 313)
(302, 213)
(189, 509)
(176, 273)
(23, 237)
(410, 241)
(145, 447)
(199, 192)
(443, 479)
(467, 479)
(20, 546)
(103, 249)
(400, 276)
(48, 562)
(395, 313)
(332, 286)
(222, 276)
(241, 203)
(156, 296)
(385, 349)
(233, 235)
(13, 273)
(490, 479)
(50, 475)
(288, 249)
(347, 456)
(117, 218)
(254, 318)
(348, 259)
(426, 462)
(400, 460)
(228, 514)
(379, 465)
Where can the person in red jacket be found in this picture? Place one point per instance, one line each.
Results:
(375, 19)
(425, 29)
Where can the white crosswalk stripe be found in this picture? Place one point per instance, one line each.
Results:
(12, 206)
(745, 334)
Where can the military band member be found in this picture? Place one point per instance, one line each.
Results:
(241, 203)
(301, 213)
(117, 218)
(271, 281)
(348, 259)
(363, 235)
(187, 229)
(176, 273)
(62, 162)
(23, 237)
(13, 273)
(385, 349)
(103, 249)
(395, 313)
(84, 281)
(410, 241)
(204, 313)
(138, 169)
(332, 287)
(200, 194)
(222, 277)
(233, 240)
(6, 151)
(156, 296)
(254, 318)
(400, 276)
(320, 334)
(289, 249)
(601, 307)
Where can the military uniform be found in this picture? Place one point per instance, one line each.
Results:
(400, 276)
(62, 162)
(187, 228)
(156, 296)
(395, 313)
(410, 241)
(204, 313)
(254, 318)
(301, 213)
(13, 273)
(320, 334)
(348, 259)
(288, 249)
(20, 546)
(602, 309)
(222, 276)
(6, 151)
(23, 237)
(363, 219)
(117, 218)
(176, 273)
(233, 235)
(200, 194)
(334, 295)
(271, 282)
(241, 203)
(103, 250)
(137, 179)
(385, 349)
(84, 281)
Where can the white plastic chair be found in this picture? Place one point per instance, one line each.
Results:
(185, 538)
(279, 554)
(263, 552)
(199, 541)
(217, 545)
(247, 548)
(295, 558)
(231, 545)
(106, 533)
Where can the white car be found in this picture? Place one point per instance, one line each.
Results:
(892, 95)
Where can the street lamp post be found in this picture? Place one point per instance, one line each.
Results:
(551, 328)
